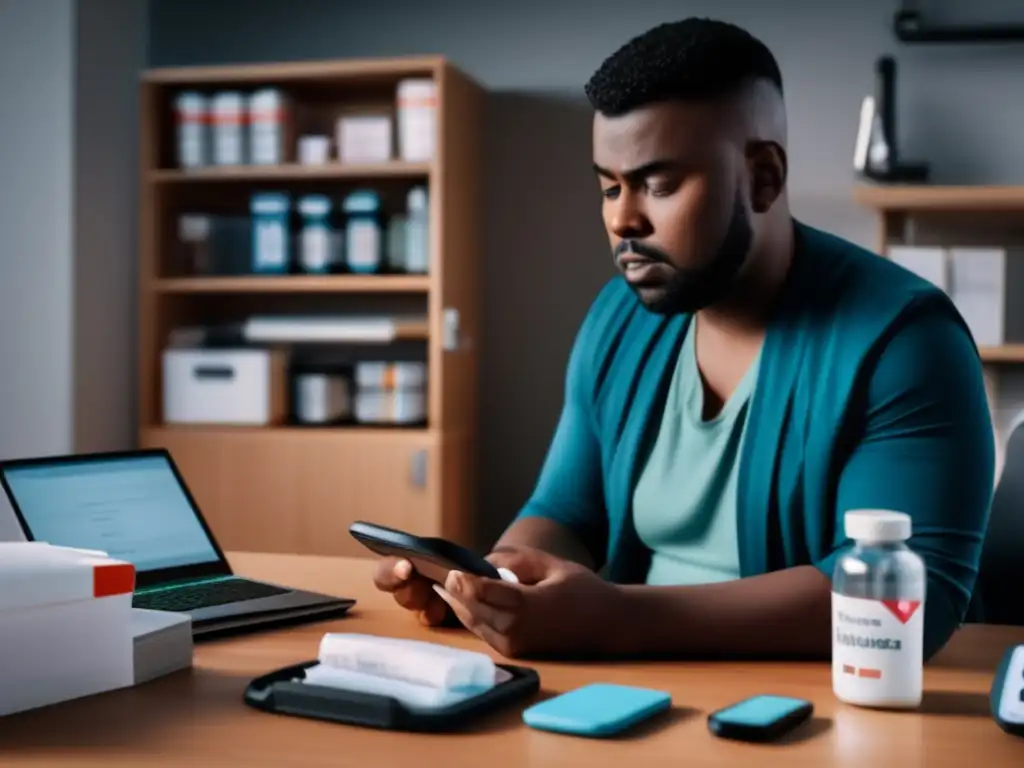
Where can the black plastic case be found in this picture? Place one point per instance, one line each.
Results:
(282, 692)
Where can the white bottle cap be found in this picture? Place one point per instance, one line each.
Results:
(416, 200)
(879, 525)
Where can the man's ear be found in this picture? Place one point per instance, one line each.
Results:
(767, 165)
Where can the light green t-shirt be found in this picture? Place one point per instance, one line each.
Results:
(684, 505)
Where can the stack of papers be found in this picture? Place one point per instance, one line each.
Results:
(163, 643)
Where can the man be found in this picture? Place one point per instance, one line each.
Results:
(743, 383)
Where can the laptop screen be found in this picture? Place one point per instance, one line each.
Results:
(131, 507)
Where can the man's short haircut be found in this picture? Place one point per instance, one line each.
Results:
(694, 59)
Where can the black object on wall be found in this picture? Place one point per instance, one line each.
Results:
(881, 160)
(910, 27)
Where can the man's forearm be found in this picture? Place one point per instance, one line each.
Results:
(781, 614)
(547, 536)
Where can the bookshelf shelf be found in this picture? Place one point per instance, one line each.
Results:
(291, 172)
(295, 284)
(914, 198)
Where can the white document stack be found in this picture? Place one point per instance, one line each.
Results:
(163, 643)
(65, 624)
(416, 673)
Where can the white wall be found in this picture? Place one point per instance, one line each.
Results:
(68, 170)
(36, 251)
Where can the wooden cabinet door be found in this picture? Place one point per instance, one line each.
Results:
(297, 491)
(388, 478)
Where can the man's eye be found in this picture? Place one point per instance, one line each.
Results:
(610, 193)
(662, 187)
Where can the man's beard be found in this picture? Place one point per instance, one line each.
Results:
(691, 289)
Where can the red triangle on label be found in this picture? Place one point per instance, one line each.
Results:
(902, 609)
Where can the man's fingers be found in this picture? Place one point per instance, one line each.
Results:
(487, 623)
(391, 573)
(435, 613)
(530, 566)
(503, 595)
(414, 595)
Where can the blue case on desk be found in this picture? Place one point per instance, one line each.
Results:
(760, 718)
(596, 710)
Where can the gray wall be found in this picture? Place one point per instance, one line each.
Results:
(111, 44)
(960, 109)
(68, 74)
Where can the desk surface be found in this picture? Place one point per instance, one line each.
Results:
(197, 715)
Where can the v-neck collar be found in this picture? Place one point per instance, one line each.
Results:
(776, 374)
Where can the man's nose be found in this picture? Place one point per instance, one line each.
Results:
(627, 218)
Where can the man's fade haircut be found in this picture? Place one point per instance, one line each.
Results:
(695, 59)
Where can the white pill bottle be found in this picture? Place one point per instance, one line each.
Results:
(878, 592)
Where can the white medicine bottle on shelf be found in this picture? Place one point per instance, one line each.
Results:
(878, 594)
(417, 231)
(317, 251)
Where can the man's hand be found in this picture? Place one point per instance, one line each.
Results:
(557, 607)
(411, 591)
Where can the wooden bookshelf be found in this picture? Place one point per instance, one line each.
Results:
(296, 489)
(936, 213)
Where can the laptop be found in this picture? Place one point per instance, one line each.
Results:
(136, 507)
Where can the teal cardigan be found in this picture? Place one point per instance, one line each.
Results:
(870, 394)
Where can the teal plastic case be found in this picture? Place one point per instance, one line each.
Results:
(597, 710)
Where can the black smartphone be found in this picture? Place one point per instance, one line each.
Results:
(432, 558)
(760, 718)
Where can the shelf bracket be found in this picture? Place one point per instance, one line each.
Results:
(910, 27)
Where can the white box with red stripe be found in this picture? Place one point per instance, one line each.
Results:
(65, 624)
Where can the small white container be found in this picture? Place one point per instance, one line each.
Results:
(268, 127)
(314, 150)
(417, 119)
(224, 386)
(364, 139)
(395, 407)
(388, 376)
(228, 114)
(322, 398)
(190, 109)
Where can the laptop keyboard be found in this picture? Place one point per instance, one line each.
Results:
(205, 595)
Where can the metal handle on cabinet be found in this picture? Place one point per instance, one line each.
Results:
(419, 468)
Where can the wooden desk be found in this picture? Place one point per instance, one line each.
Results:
(198, 716)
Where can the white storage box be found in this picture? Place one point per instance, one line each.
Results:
(364, 139)
(65, 625)
(244, 387)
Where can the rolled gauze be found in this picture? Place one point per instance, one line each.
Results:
(412, 661)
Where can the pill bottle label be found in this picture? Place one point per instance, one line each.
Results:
(877, 650)
(363, 246)
(316, 249)
(270, 246)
